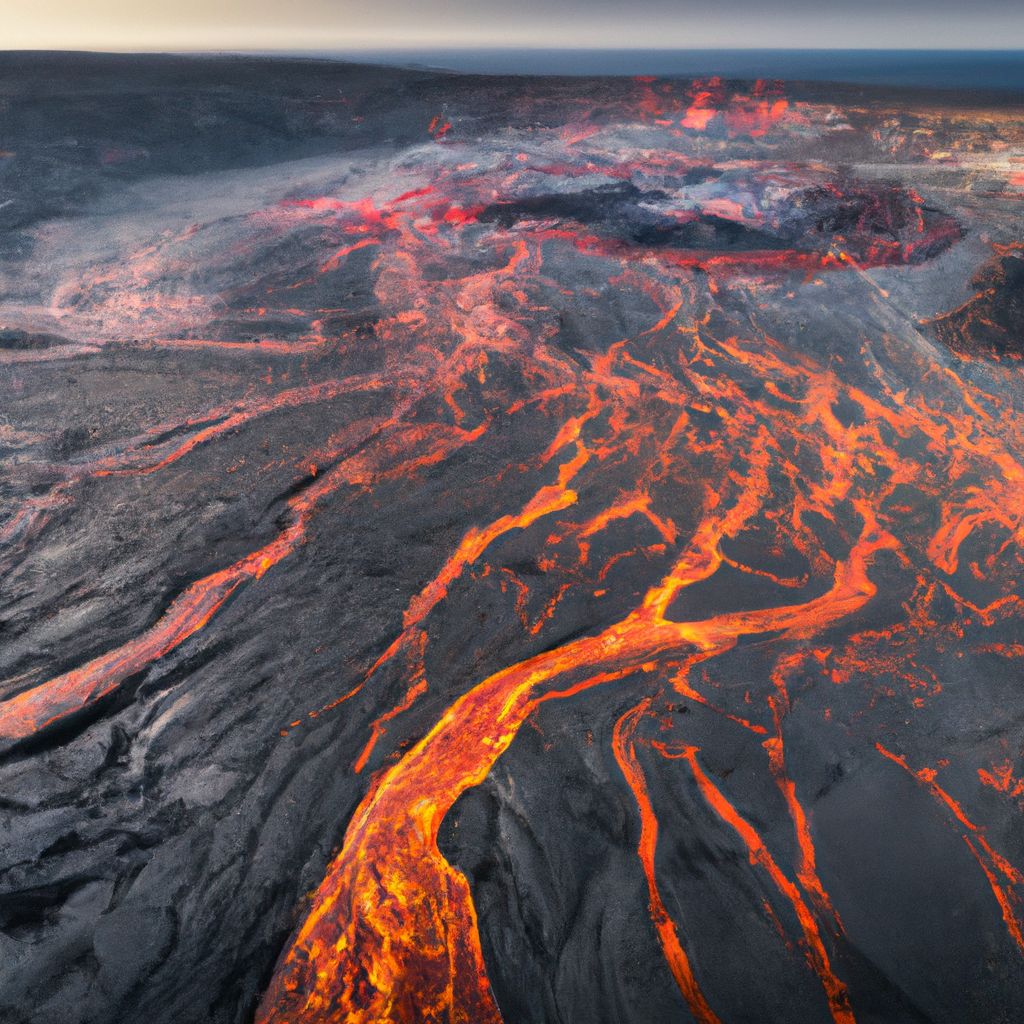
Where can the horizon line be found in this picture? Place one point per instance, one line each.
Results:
(413, 48)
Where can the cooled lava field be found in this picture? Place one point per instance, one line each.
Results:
(525, 550)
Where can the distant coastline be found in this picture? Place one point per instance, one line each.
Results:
(966, 76)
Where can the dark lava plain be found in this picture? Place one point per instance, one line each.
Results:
(503, 549)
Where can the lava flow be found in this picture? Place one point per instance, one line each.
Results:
(603, 493)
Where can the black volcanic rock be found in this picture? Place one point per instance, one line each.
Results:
(623, 211)
(991, 321)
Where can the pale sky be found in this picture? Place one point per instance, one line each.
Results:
(351, 24)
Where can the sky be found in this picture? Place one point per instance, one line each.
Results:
(353, 24)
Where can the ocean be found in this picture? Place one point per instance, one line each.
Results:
(945, 69)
